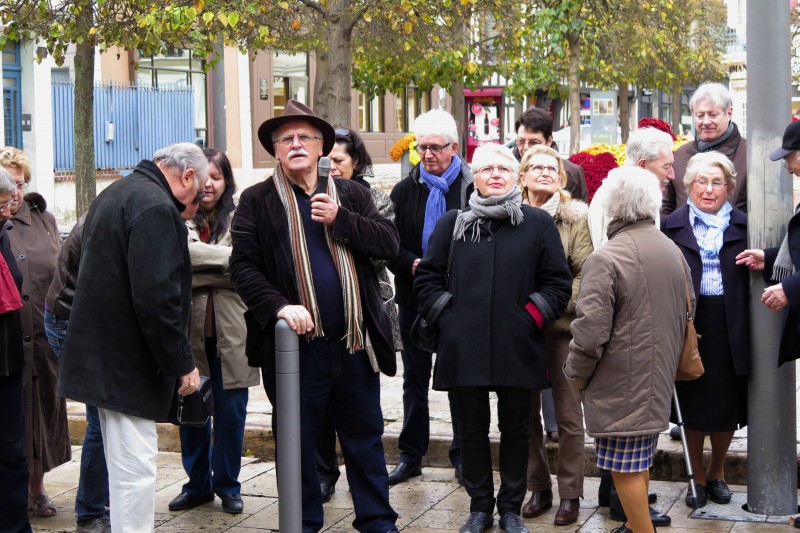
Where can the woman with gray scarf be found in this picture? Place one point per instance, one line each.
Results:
(500, 271)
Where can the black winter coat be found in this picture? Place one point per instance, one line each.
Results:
(409, 198)
(262, 265)
(127, 339)
(735, 278)
(12, 356)
(790, 330)
(487, 338)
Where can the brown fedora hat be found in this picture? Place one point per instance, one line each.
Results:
(296, 111)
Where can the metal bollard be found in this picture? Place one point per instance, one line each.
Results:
(287, 363)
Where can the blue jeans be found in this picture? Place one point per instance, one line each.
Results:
(215, 467)
(92, 495)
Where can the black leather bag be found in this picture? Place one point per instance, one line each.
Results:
(192, 410)
(424, 333)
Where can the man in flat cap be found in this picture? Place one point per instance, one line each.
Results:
(301, 252)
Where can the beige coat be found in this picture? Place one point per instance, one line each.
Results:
(35, 243)
(573, 229)
(210, 278)
(628, 334)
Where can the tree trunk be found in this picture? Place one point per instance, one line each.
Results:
(340, 55)
(85, 176)
(574, 93)
(458, 112)
(321, 79)
(624, 111)
(676, 109)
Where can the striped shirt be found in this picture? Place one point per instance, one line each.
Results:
(711, 278)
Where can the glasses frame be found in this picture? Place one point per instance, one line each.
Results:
(717, 187)
(527, 143)
(6, 204)
(490, 169)
(435, 149)
(556, 172)
(302, 138)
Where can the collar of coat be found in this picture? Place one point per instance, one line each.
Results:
(678, 225)
(149, 169)
(616, 226)
(572, 211)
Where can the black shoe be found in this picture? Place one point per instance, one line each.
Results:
(604, 490)
(185, 501)
(512, 523)
(232, 503)
(476, 523)
(675, 433)
(459, 474)
(658, 519)
(622, 529)
(327, 488)
(717, 491)
(701, 497)
(402, 472)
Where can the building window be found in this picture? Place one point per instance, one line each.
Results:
(410, 104)
(289, 80)
(370, 113)
(178, 69)
(12, 97)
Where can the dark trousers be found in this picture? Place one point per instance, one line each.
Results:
(329, 376)
(13, 466)
(327, 461)
(513, 406)
(215, 467)
(417, 364)
(92, 495)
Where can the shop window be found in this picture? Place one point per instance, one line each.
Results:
(289, 80)
(370, 113)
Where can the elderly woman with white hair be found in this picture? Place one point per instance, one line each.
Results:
(711, 233)
(627, 338)
(500, 272)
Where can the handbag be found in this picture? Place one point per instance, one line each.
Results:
(690, 365)
(424, 333)
(192, 410)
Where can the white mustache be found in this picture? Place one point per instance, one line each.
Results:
(299, 151)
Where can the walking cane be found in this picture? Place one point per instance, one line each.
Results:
(679, 416)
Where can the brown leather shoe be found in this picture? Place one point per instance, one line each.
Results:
(539, 503)
(567, 512)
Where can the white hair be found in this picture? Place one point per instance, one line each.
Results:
(710, 159)
(181, 156)
(633, 194)
(647, 144)
(716, 93)
(436, 122)
(7, 184)
(494, 154)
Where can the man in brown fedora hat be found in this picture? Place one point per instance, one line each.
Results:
(301, 252)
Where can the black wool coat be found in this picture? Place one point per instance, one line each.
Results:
(487, 338)
(790, 330)
(127, 339)
(735, 278)
(12, 355)
(262, 265)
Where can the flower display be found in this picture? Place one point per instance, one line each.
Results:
(617, 150)
(407, 143)
(657, 123)
(595, 167)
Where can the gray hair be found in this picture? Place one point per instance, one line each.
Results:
(647, 144)
(716, 93)
(181, 156)
(436, 122)
(710, 159)
(7, 184)
(633, 194)
(491, 153)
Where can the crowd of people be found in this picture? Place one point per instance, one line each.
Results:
(555, 306)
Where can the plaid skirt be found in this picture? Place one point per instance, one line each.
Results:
(629, 454)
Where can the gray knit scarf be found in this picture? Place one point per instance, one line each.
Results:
(506, 205)
(784, 267)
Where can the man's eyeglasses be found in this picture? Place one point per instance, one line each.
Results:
(703, 184)
(434, 148)
(491, 169)
(303, 138)
(538, 170)
(523, 143)
(6, 204)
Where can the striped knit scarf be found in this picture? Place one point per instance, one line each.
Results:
(342, 258)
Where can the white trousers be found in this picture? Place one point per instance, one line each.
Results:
(131, 446)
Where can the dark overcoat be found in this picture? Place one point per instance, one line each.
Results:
(487, 338)
(12, 356)
(36, 242)
(735, 278)
(790, 330)
(262, 265)
(127, 339)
